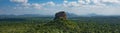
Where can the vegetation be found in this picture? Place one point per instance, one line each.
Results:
(47, 25)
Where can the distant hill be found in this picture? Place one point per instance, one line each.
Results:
(69, 15)
(26, 15)
(40, 15)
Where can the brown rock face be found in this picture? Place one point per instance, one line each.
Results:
(60, 15)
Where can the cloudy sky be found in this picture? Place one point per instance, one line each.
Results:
(50, 7)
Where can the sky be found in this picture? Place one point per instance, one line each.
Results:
(50, 7)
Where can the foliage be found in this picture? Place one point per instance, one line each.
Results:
(46, 25)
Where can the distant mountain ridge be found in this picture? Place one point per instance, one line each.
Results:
(69, 15)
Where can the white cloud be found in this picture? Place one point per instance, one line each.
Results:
(19, 1)
(30, 6)
(112, 1)
(98, 2)
(50, 3)
(74, 4)
(37, 6)
(65, 1)
(81, 2)
(24, 4)
(40, 6)
(79, 7)
(88, 1)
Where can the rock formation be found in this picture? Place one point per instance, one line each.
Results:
(60, 15)
(60, 24)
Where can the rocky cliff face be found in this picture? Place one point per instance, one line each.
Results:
(60, 15)
(59, 26)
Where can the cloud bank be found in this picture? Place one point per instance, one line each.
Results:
(19, 1)
(79, 7)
